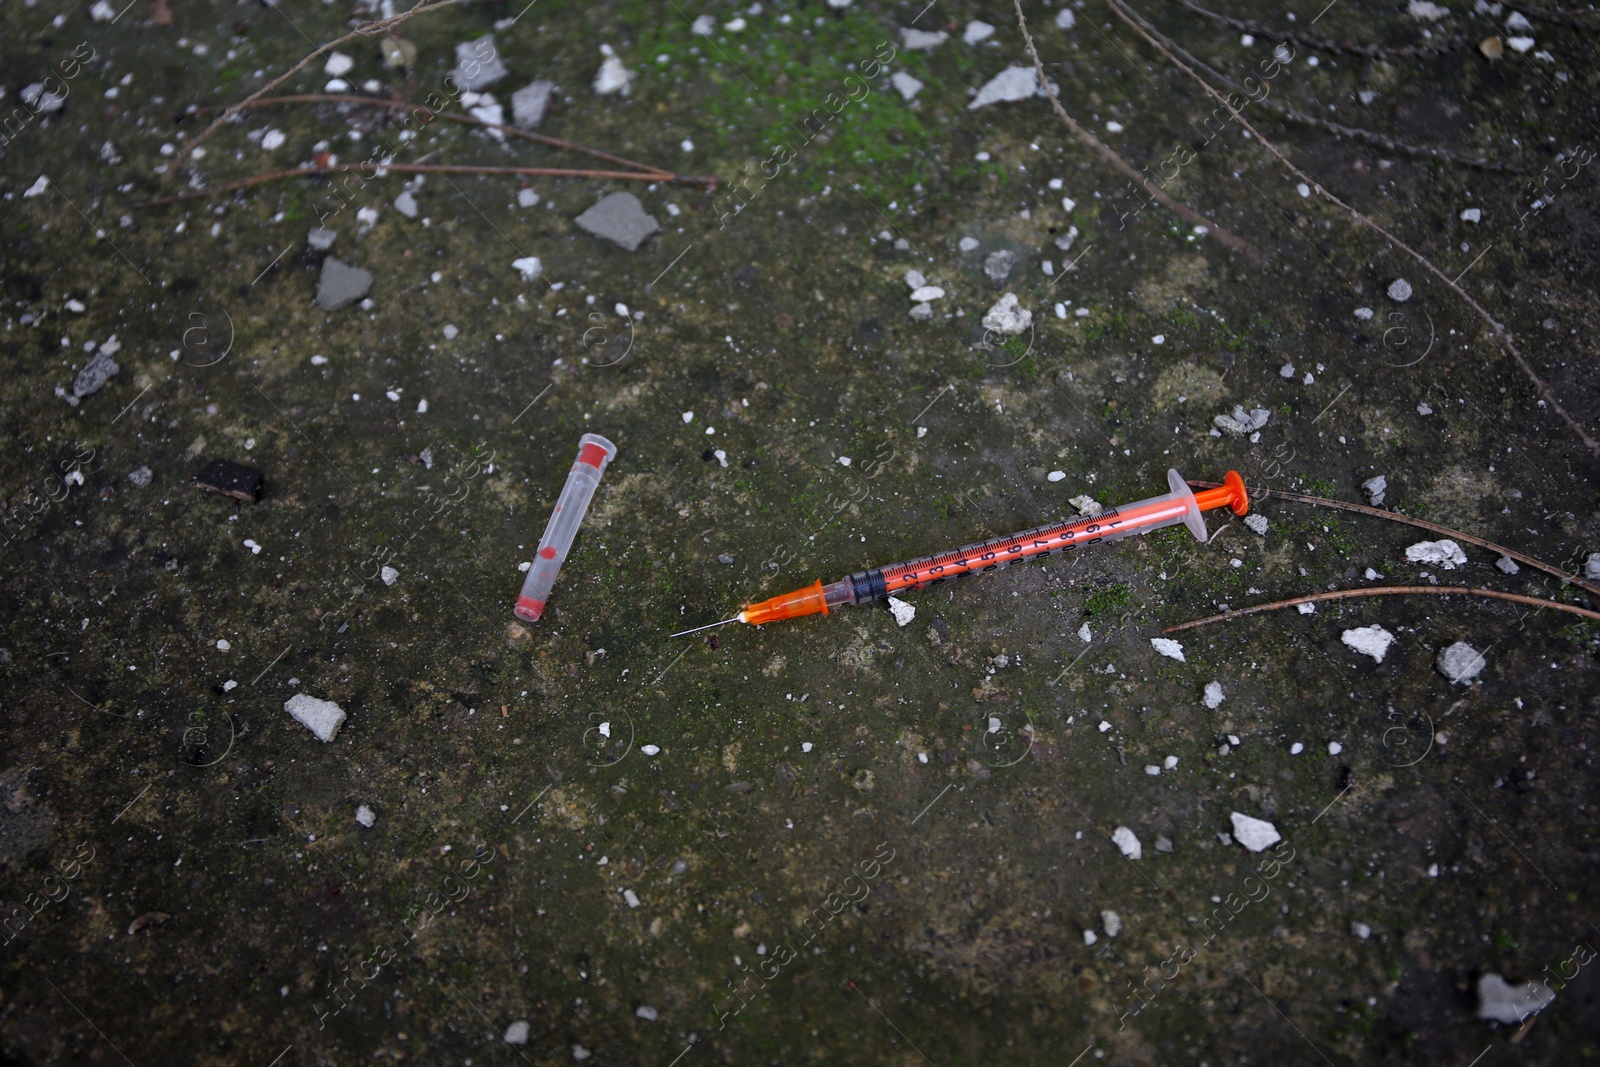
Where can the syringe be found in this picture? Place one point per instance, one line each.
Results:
(1180, 505)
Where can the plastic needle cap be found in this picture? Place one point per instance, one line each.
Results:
(594, 452)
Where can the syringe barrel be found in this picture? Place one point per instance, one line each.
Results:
(594, 453)
(1113, 524)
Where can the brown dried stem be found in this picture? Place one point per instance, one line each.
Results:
(377, 170)
(1389, 590)
(465, 120)
(1501, 332)
(1362, 509)
(1324, 44)
(1181, 210)
(366, 29)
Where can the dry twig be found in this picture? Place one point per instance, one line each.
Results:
(1420, 523)
(1389, 590)
(1500, 330)
(1324, 44)
(366, 29)
(1181, 210)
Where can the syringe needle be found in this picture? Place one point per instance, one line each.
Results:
(708, 626)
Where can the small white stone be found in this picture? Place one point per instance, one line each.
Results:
(389, 575)
(977, 31)
(1089, 936)
(1375, 487)
(321, 717)
(255, 549)
(1254, 834)
(273, 139)
(1364, 314)
(922, 40)
(1257, 523)
(1127, 843)
(915, 278)
(1086, 505)
(967, 244)
(1113, 126)
(1286, 371)
(613, 77)
(1056, 476)
(529, 266)
(1011, 84)
(580, 1053)
(1472, 214)
(844, 461)
(1361, 930)
(1104, 726)
(650, 750)
(631, 897)
(1506, 1003)
(1371, 641)
(1334, 748)
(928, 292)
(223, 645)
(1112, 922)
(1084, 634)
(37, 188)
(1213, 695)
(1170, 763)
(647, 1013)
(367, 216)
(903, 612)
(1443, 553)
(1159, 339)
(688, 416)
(1006, 317)
(1168, 647)
(1152, 769)
(806, 746)
(1296, 748)
(422, 407)
(1520, 44)
(1507, 565)
(1399, 290)
(1065, 19)
(1460, 662)
(517, 1033)
(703, 26)
(527, 198)
(338, 64)
(364, 816)
(907, 86)
(1306, 609)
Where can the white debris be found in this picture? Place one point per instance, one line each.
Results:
(915, 278)
(928, 292)
(1257, 523)
(1517, 21)
(647, 1013)
(1084, 635)
(1591, 566)
(1361, 930)
(1306, 609)
(223, 645)
(1371, 641)
(1424, 409)
(1296, 748)
(249, 542)
(517, 1033)
(967, 244)
(389, 575)
(903, 612)
(1241, 422)
(1520, 44)
(364, 816)
(102, 11)
(1104, 726)
(1286, 371)
(1152, 769)
(273, 139)
(1460, 662)
(904, 84)
(806, 746)
(1112, 922)
(321, 717)
(1472, 214)
(1013, 83)
(613, 77)
(1086, 505)
(1364, 314)
(1089, 936)
(1443, 553)
(406, 204)
(650, 750)
(1125, 840)
(1168, 647)
(1503, 1002)
(1426, 11)
(1006, 317)
(922, 40)
(1065, 19)
(1334, 748)
(1056, 476)
(977, 31)
(1400, 290)
(1254, 834)
(1507, 565)
(338, 64)
(1375, 487)
(631, 897)
(704, 26)
(37, 188)
(1213, 696)
(922, 312)
(529, 266)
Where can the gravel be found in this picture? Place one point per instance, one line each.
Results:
(1254, 834)
(341, 284)
(529, 103)
(1460, 662)
(478, 64)
(1011, 84)
(621, 219)
(321, 717)
(1127, 843)
(1371, 641)
(1006, 317)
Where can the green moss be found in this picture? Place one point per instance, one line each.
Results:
(1108, 599)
